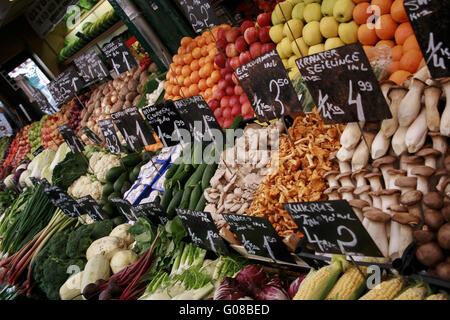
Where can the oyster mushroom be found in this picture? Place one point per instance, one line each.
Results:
(431, 94)
(405, 184)
(410, 162)
(346, 193)
(445, 119)
(376, 227)
(357, 206)
(398, 141)
(345, 179)
(358, 176)
(394, 174)
(380, 145)
(439, 143)
(331, 177)
(409, 107)
(411, 200)
(361, 155)
(351, 135)
(363, 193)
(374, 180)
(417, 133)
(332, 193)
(423, 173)
(385, 164)
(430, 155)
(405, 222)
(390, 126)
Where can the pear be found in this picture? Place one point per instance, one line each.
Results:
(327, 7)
(312, 12)
(348, 32)
(275, 19)
(276, 33)
(297, 12)
(329, 27)
(299, 44)
(294, 2)
(312, 1)
(285, 63)
(283, 11)
(311, 33)
(343, 10)
(293, 29)
(285, 48)
(316, 49)
(291, 61)
(333, 43)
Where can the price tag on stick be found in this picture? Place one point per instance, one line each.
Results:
(332, 227)
(62, 200)
(92, 208)
(121, 58)
(92, 136)
(200, 13)
(133, 128)
(110, 135)
(91, 67)
(42, 101)
(66, 85)
(38, 151)
(258, 237)
(166, 122)
(202, 230)
(343, 85)
(267, 85)
(125, 208)
(153, 211)
(72, 140)
(430, 22)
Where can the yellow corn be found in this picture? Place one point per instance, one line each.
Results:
(350, 286)
(319, 283)
(437, 296)
(386, 290)
(413, 293)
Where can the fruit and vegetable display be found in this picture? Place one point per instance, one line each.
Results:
(19, 149)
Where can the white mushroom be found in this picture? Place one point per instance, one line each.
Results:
(360, 158)
(389, 126)
(445, 119)
(431, 94)
(351, 135)
(417, 133)
(409, 107)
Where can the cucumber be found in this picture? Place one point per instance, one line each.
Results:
(157, 200)
(174, 204)
(134, 174)
(109, 209)
(119, 220)
(172, 170)
(196, 178)
(147, 156)
(114, 173)
(131, 160)
(119, 182)
(107, 190)
(184, 204)
(115, 195)
(196, 156)
(201, 203)
(125, 187)
(195, 197)
(208, 174)
(165, 201)
(181, 175)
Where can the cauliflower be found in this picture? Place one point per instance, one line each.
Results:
(85, 186)
(101, 163)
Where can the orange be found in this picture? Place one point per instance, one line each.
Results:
(181, 50)
(180, 80)
(202, 73)
(387, 27)
(185, 41)
(208, 92)
(360, 14)
(214, 88)
(359, 1)
(411, 43)
(369, 53)
(187, 58)
(388, 43)
(398, 11)
(208, 38)
(399, 76)
(410, 60)
(215, 76)
(209, 68)
(367, 36)
(205, 51)
(195, 78)
(210, 82)
(403, 31)
(201, 61)
(195, 65)
(176, 59)
(196, 53)
(201, 41)
(191, 46)
(178, 70)
(186, 71)
(384, 5)
(212, 47)
(193, 89)
(394, 67)
(397, 52)
(176, 90)
(187, 82)
(202, 84)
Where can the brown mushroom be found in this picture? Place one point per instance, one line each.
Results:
(346, 193)
(406, 218)
(332, 193)
(406, 184)
(384, 164)
(422, 173)
(411, 200)
(409, 162)
(433, 219)
(423, 236)
(433, 200)
(357, 206)
(331, 177)
(394, 174)
(398, 208)
(430, 155)
(345, 179)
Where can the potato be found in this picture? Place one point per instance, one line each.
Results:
(123, 92)
(443, 236)
(144, 76)
(137, 99)
(117, 107)
(131, 95)
(132, 85)
(443, 270)
(137, 74)
(122, 259)
(121, 231)
(107, 245)
(127, 104)
(105, 90)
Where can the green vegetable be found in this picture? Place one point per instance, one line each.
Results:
(119, 182)
(107, 190)
(165, 201)
(108, 208)
(114, 195)
(184, 204)
(147, 156)
(196, 178)
(125, 187)
(195, 197)
(197, 153)
(208, 174)
(201, 203)
(172, 170)
(114, 173)
(70, 169)
(131, 160)
(174, 203)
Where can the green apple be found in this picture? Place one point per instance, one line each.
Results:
(316, 49)
(275, 19)
(299, 44)
(343, 10)
(297, 12)
(311, 33)
(283, 11)
(294, 2)
(276, 33)
(293, 29)
(348, 32)
(329, 27)
(312, 12)
(294, 73)
(285, 47)
(332, 43)
(291, 61)
(327, 7)
(285, 63)
(312, 1)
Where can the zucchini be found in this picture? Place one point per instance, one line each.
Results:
(147, 156)
(131, 160)
(125, 187)
(184, 204)
(115, 195)
(208, 174)
(197, 154)
(172, 170)
(174, 204)
(195, 197)
(165, 201)
(196, 178)
(107, 190)
(119, 182)
(114, 173)
(181, 175)
(108, 208)
(201, 203)
(157, 200)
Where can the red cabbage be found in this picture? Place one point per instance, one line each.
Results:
(293, 288)
(273, 290)
(252, 279)
(229, 289)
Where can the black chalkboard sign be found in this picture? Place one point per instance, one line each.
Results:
(153, 211)
(110, 135)
(121, 58)
(92, 208)
(267, 85)
(430, 22)
(66, 85)
(62, 200)
(72, 140)
(200, 13)
(332, 227)
(38, 151)
(166, 122)
(133, 128)
(91, 67)
(200, 119)
(258, 237)
(125, 208)
(42, 101)
(91, 135)
(202, 230)
(343, 85)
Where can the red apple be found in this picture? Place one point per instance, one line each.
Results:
(231, 50)
(241, 45)
(235, 79)
(249, 115)
(221, 34)
(251, 35)
(238, 90)
(264, 34)
(229, 91)
(235, 63)
(264, 19)
(266, 47)
(234, 101)
(245, 57)
(221, 44)
(218, 113)
(214, 104)
(225, 102)
(235, 111)
(219, 60)
(226, 113)
(222, 84)
(228, 122)
(218, 94)
(255, 49)
(243, 98)
(220, 121)
(229, 78)
(226, 70)
(246, 108)
(232, 34)
(246, 24)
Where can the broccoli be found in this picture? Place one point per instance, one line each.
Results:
(101, 229)
(57, 247)
(54, 276)
(79, 241)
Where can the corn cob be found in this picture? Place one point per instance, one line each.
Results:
(437, 296)
(306, 283)
(386, 290)
(320, 282)
(350, 286)
(413, 293)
